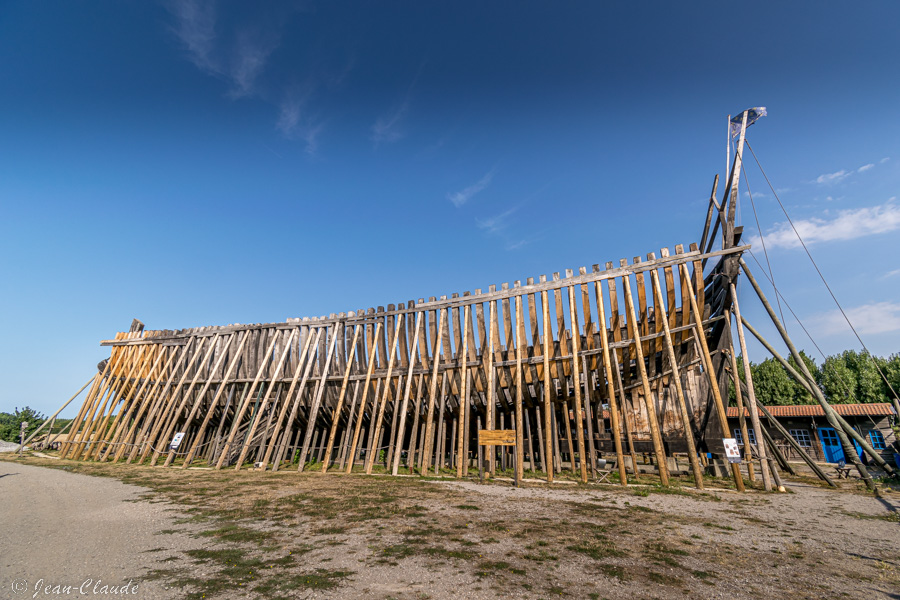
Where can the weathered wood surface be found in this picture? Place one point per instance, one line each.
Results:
(617, 371)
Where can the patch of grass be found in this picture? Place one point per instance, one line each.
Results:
(330, 530)
(466, 507)
(597, 548)
(717, 526)
(614, 571)
(236, 533)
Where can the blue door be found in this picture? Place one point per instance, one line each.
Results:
(831, 445)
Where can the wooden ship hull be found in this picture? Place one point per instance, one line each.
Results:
(628, 364)
(579, 366)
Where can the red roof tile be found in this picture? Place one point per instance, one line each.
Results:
(814, 410)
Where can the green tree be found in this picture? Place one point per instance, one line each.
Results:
(772, 383)
(838, 380)
(853, 377)
(10, 424)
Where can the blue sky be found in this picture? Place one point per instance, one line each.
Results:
(202, 163)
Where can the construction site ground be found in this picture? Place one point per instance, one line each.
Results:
(202, 533)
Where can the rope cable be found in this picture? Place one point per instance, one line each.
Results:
(821, 276)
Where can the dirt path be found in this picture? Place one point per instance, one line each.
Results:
(63, 529)
(290, 535)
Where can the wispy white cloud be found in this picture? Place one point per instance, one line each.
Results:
(463, 196)
(847, 225)
(884, 160)
(295, 123)
(240, 63)
(195, 26)
(838, 176)
(239, 54)
(872, 318)
(496, 223)
(832, 177)
(387, 126)
(497, 226)
(517, 245)
(251, 55)
(890, 274)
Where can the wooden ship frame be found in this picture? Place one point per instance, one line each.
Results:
(631, 362)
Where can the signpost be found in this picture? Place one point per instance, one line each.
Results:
(732, 450)
(497, 437)
(176, 441)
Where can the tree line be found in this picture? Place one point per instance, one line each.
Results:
(850, 377)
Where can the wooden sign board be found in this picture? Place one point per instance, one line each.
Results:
(496, 437)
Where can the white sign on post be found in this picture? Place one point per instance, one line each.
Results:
(732, 450)
(176, 441)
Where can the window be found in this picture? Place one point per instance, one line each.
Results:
(876, 439)
(801, 436)
(750, 434)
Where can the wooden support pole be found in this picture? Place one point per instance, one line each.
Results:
(754, 414)
(401, 429)
(211, 409)
(710, 372)
(655, 435)
(265, 400)
(305, 363)
(155, 417)
(362, 403)
(336, 416)
(742, 420)
(168, 407)
(662, 318)
(242, 410)
(121, 423)
(148, 407)
(520, 382)
(830, 414)
(610, 388)
(462, 360)
(82, 412)
(173, 417)
(576, 382)
(376, 432)
(864, 444)
(317, 399)
(53, 416)
(432, 394)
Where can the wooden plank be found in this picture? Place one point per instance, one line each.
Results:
(497, 437)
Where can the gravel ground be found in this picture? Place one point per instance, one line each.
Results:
(64, 529)
(8, 446)
(439, 540)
